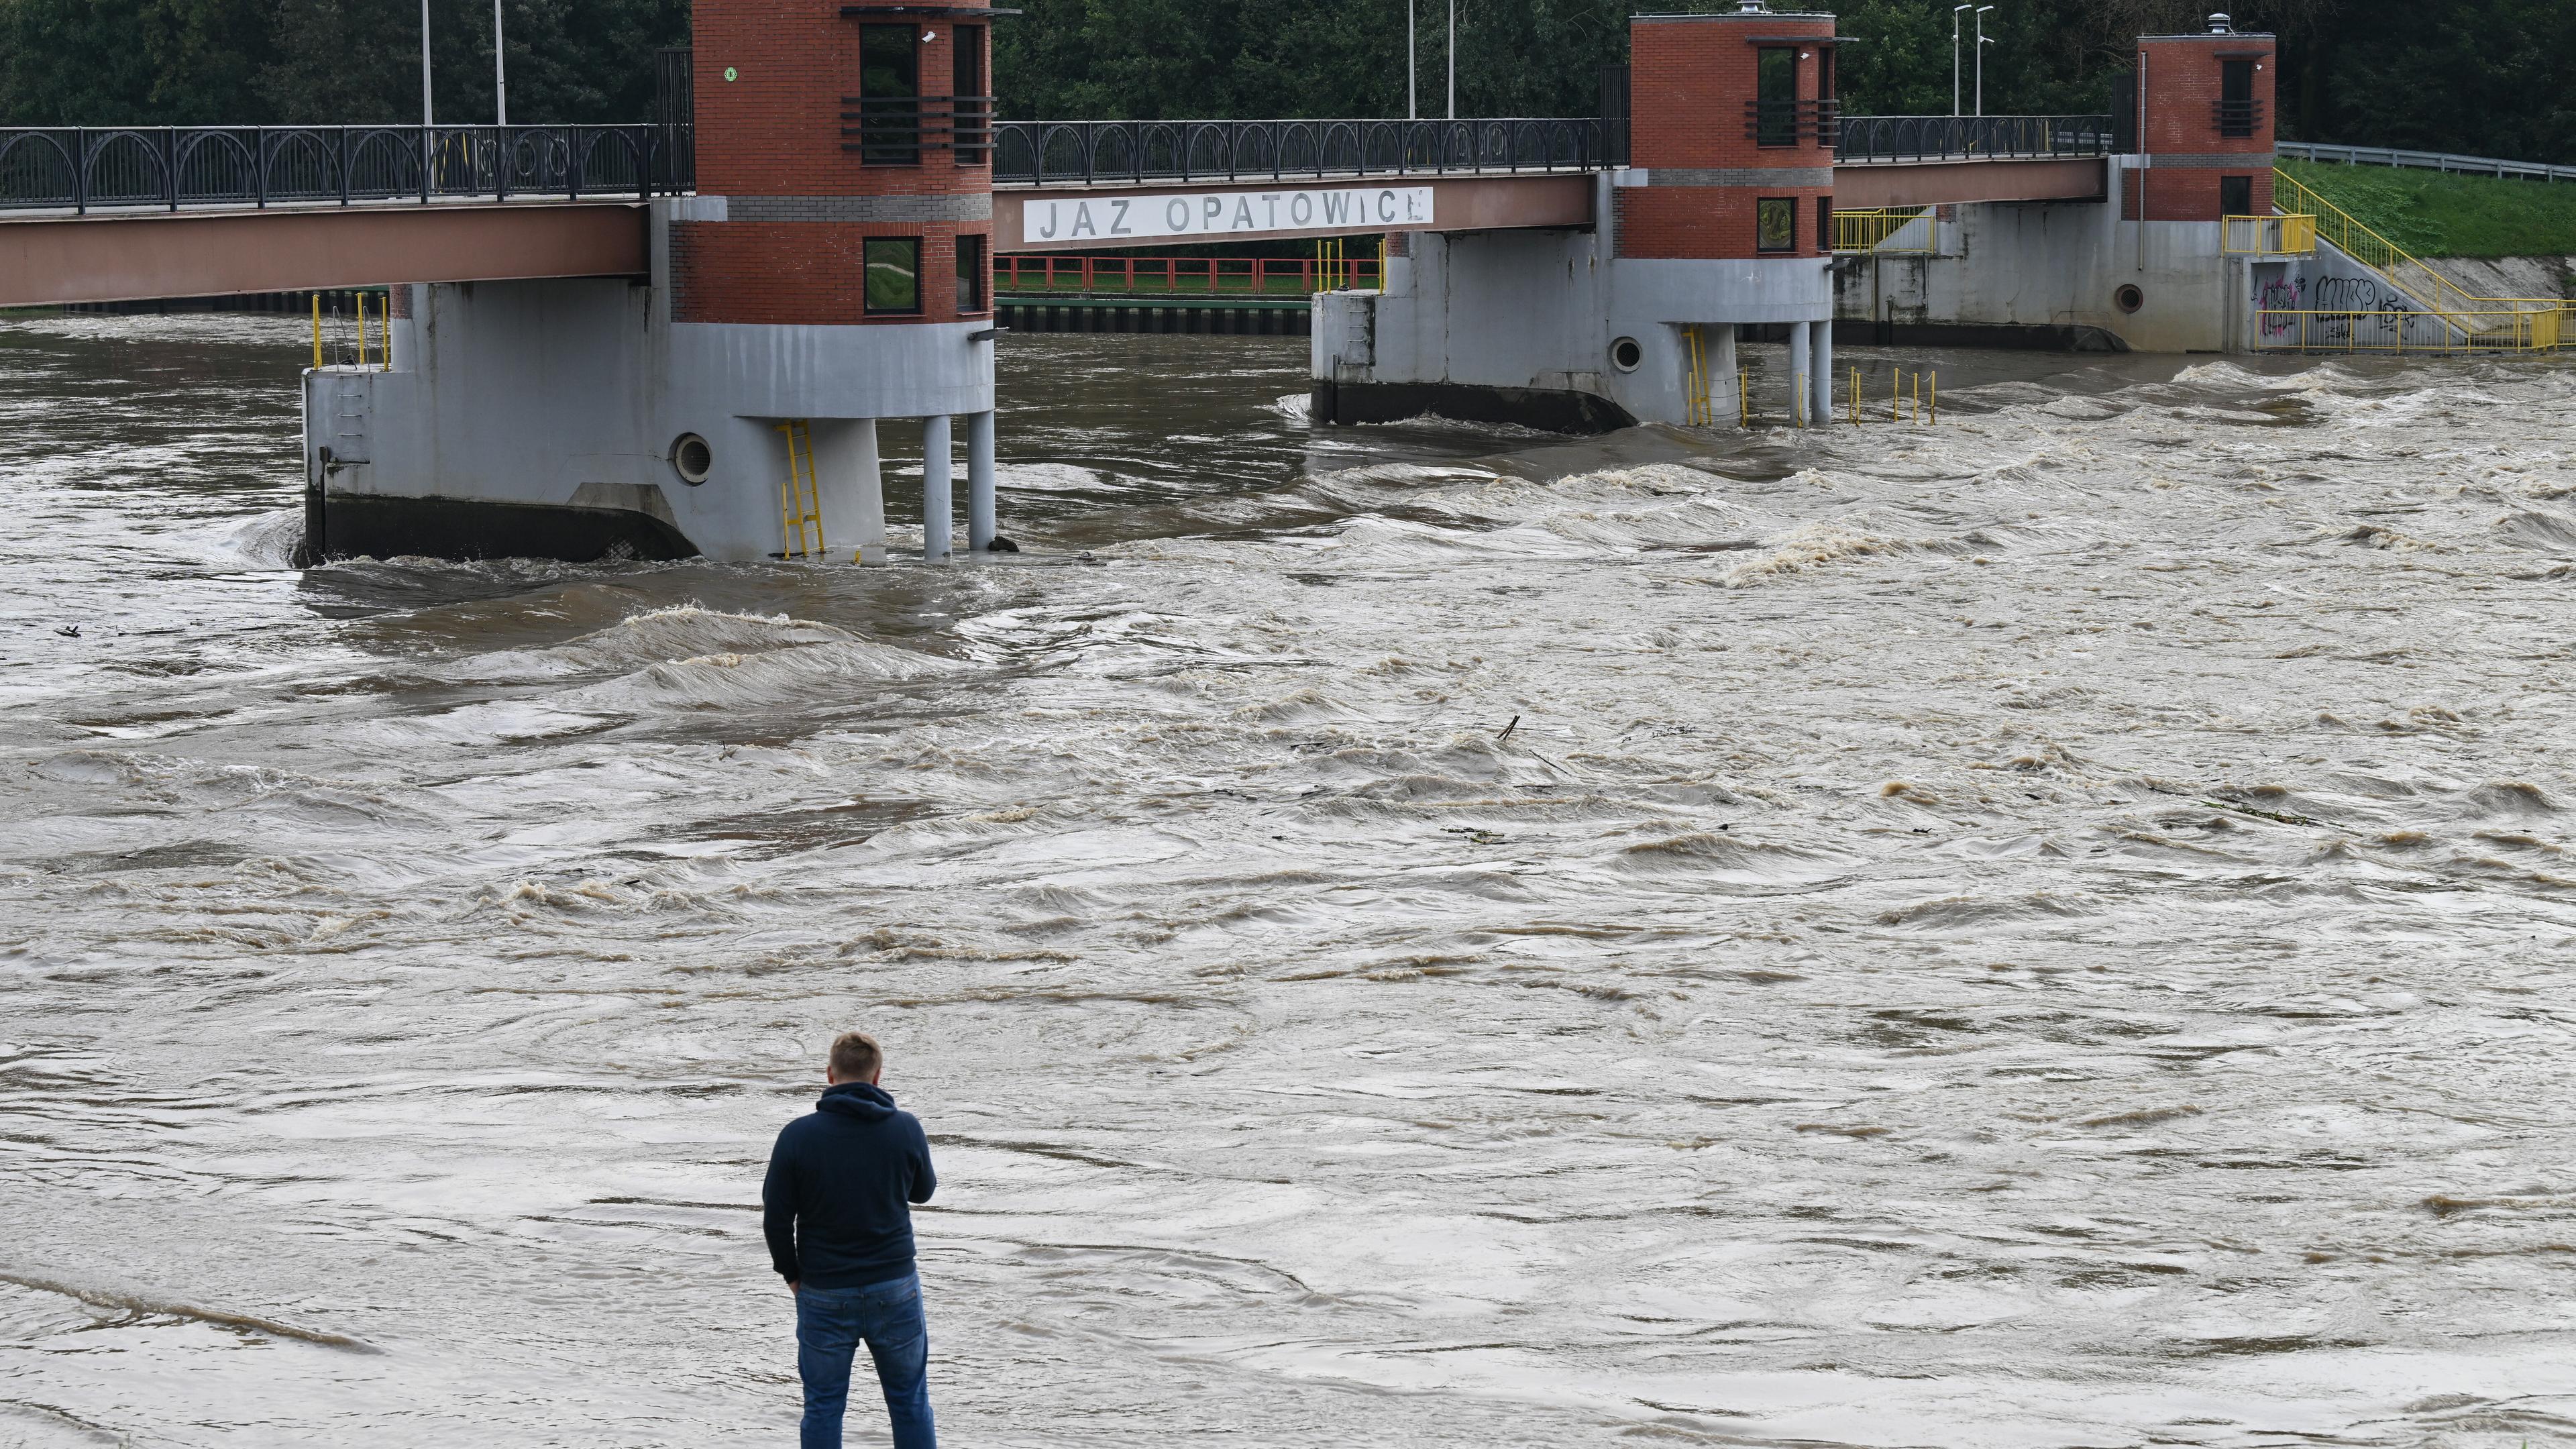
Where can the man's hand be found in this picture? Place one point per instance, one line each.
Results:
(791, 1285)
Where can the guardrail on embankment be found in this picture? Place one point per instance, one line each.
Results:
(2322, 152)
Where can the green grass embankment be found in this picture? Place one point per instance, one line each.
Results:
(2438, 214)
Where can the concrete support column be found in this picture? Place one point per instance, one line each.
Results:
(1820, 408)
(981, 525)
(938, 515)
(1726, 397)
(1799, 362)
(851, 476)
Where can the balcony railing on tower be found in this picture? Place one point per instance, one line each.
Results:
(895, 130)
(1790, 123)
(2237, 118)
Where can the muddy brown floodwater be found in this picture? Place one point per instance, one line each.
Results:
(2052, 929)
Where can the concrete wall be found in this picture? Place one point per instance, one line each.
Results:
(2022, 269)
(1513, 313)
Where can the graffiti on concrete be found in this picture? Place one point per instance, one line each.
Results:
(2358, 294)
(2332, 311)
(2274, 299)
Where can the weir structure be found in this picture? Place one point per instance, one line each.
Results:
(681, 338)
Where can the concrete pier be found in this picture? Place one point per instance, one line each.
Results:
(938, 512)
(1820, 375)
(981, 525)
(853, 482)
(1801, 374)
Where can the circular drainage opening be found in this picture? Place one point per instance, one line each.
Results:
(692, 458)
(1625, 354)
(2129, 298)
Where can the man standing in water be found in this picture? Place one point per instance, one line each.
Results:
(835, 1207)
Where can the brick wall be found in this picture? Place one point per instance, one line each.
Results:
(1690, 78)
(2179, 128)
(774, 133)
(804, 273)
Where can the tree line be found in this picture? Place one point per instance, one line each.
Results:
(2485, 77)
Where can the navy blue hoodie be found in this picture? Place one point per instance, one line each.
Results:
(834, 1205)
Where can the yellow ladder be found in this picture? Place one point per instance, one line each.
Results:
(800, 498)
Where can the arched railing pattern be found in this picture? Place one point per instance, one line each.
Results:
(1862, 139)
(84, 169)
(1089, 153)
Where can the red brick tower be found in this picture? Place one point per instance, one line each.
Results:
(2205, 124)
(852, 145)
(1732, 116)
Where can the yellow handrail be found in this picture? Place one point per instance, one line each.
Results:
(2292, 235)
(2392, 261)
(800, 497)
(1870, 231)
(1696, 407)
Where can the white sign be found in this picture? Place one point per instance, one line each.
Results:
(1063, 219)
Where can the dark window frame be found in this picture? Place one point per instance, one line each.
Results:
(974, 274)
(889, 122)
(1775, 117)
(2227, 185)
(868, 274)
(1788, 206)
(2237, 112)
(1824, 223)
(970, 105)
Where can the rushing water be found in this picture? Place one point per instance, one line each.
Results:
(2050, 929)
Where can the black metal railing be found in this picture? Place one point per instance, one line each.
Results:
(1966, 138)
(1043, 153)
(894, 131)
(2237, 118)
(1614, 113)
(1789, 123)
(87, 169)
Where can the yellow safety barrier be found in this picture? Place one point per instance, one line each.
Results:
(2294, 235)
(2310, 330)
(317, 330)
(801, 496)
(1912, 397)
(1872, 231)
(2469, 322)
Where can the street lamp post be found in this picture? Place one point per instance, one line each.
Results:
(1982, 43)
(1412, 66)
(500, 73)
(1453, 59)
(425, 121)
(1954, 59)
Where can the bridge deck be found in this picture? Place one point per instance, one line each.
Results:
(204, 253)
(119, 214)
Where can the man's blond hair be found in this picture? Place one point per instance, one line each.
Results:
(856, 1056)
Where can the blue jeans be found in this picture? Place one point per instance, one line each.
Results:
(830, 1322)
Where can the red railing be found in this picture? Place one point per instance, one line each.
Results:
(1180, 276)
